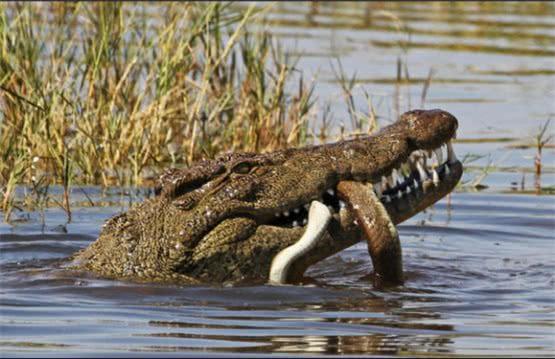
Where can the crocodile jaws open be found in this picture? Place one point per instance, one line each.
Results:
(239, 217)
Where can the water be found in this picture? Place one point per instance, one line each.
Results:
(493, 68)
(479, 265)
(479, 271)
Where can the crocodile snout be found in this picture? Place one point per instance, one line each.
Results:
(427, 129)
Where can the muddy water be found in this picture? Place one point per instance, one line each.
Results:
(479, 265)
(479, 271)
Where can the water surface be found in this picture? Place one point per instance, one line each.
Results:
(479, 271)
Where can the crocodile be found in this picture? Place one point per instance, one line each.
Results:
(238, 217)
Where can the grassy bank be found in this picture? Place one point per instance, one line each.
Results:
(108, 93)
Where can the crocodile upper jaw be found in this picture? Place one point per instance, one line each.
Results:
(426, 177)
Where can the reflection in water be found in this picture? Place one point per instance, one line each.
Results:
(377, 335)
(371, 343)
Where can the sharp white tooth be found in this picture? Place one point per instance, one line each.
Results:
(318, 219)
(295, 224)
(330, 208)
(387, 199)
(395, 177)
(391, 181)
(408, 189)
(399, 194)
(400, 178)
(447, 170)
(415, 183)
(355, 222)
(414, 156)
(342, 204)
(384, 183)
(307, 206)
(296, 210)
(305, 221)
(421, 171)
(286, 213)
(450, 153)
(378, 189)
(429, 159)
(435, 177)
(439, 155)
(331, 192)
(277, 214)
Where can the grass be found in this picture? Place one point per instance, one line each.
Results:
(98, 93)
(541, 139)
(110, 93)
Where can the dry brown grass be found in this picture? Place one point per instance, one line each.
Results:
(108, 93)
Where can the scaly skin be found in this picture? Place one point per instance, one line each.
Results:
(216, 221)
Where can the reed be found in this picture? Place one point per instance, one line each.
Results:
(541, 138)
(108, 93)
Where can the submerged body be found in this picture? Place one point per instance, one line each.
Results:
(225, 220)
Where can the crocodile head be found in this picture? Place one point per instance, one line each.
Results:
(226, 219)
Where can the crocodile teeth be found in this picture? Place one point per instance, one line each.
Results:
(391, 181)
(387, 199)
(295, 224)
(378, 189)
(286, 213)
(439, 155)
(421, 171)
(435, 177)
(415, 184)
(447, 170)
(399, 194)
(384, 183)
(450, 153)
(396, 178)
(401, 177)
(305, 221)
(318, 219)
(408, 189)
(277, 214)
(331, 192)
(297, 210)
(342, 204)
(306, 206)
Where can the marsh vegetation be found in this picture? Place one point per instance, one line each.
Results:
(107, 93)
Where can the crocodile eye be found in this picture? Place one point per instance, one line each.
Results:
(242, 168)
